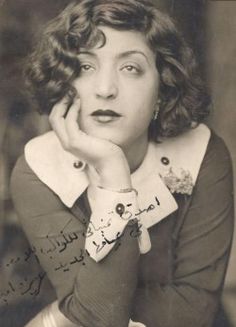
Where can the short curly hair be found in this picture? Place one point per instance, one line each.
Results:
(54, 64)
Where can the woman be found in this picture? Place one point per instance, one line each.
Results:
(128, 200)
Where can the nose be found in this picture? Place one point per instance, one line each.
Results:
(106, 86)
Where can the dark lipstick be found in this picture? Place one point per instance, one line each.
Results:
(105, 116)
(101, 112)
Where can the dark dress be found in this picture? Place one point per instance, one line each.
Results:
(177, 284)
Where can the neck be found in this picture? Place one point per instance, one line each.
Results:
(136, 153)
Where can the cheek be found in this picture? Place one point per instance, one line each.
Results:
(145, 93)
(82, 88)
(144, 101)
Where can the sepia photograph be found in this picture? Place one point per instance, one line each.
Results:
(117, 163)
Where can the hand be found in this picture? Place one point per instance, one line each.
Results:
(105, 157)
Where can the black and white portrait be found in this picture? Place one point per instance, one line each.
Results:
(117, 136)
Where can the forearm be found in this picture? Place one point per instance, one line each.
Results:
(48, 224)
(103, 292)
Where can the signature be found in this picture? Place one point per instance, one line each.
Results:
(58, 244)
(135, 232)
(30, 286)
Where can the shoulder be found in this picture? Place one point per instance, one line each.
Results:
(55, 167)
(180, 158)
(24, 182)
(196, 155)
(32, 199)
(22, 174)
(217, 162)
(217, 152)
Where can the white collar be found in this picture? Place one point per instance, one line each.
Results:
(55, 167)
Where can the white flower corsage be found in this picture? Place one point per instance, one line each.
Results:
(181, 183)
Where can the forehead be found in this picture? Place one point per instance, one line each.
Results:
(118, 42)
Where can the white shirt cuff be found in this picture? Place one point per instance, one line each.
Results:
(111, 212)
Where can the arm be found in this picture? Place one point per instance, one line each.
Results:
(93, 294)
(201, 251)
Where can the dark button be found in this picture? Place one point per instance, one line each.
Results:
(165, 161)
(79, 164)
(120, 209)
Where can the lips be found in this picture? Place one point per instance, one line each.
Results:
(105, 116)
(101, 112)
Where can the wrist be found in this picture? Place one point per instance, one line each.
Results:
(115, 173)
(122, 190)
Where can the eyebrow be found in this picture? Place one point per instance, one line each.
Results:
(120, 56)
(131, 52)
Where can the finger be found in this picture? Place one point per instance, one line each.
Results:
(77, 138)
(60, 107)
(57, 120)
(72, 123)
(80, 143)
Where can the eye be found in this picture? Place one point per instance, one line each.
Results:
(86, 67)
(131, 69)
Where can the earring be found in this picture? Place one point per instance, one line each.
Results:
(156, 111)
(155, 114)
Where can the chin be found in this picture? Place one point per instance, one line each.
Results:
(111, 138)
(108, 134)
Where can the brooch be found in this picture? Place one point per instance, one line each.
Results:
(179, 184)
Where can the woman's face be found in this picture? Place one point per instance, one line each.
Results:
(118, 87)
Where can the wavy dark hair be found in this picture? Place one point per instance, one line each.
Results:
(54, 64)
